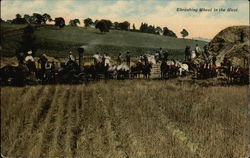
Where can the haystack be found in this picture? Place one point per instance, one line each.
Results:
(232, 43)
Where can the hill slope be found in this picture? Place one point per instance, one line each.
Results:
(58, 42)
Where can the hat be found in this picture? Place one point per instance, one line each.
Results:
(70, 52)
(29, 52)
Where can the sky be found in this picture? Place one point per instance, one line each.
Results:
(161, 13)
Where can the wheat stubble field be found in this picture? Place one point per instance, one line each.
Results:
(126, 119)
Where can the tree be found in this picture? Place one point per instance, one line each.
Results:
(144, 27)
(74, 22)
(19, 20)
(30, 19)
(27, 18)
(18, 16)
(38, 18)
(87, 22)
(116, 25)
(184, 33)
(46, 17)
(158, 30)
(103, 25)
(109, 23)
(124, 25)
(151, 29)
(59, 22)
(167, 32)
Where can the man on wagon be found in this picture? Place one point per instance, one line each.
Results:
(43, 60)
(145, 58)
(128, 58)
(206, 50)
(165, 55)
(187, 53)
(70, 58)
(197, 50)
(30, 62)
(96, 58)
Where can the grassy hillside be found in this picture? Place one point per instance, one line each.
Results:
(124, 119)
(58, 42)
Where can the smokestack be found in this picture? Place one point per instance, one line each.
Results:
(80, 51)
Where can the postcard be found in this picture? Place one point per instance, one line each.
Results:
(125, 78)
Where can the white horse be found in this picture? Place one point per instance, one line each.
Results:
(107, 61)
(122, 67)
(112, 68)
(151, 59)
(183, 68)
(170, 63)
(97, 58)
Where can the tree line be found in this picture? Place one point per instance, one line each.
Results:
(103, 25)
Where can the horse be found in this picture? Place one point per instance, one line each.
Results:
(112, 71)
(136, 70)
(14, 75)
(183, 68)
(122, 71)
(146, 70)
(164, 69)
(173, 69)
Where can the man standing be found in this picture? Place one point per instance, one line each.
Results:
(206, 50)
(96, 58)
(160, 54)
(197, 50)
(43, 61)
(145, 59)
(187, 53)
(165, 55)
(71, 57)
(140, 58)
(119, 59)
(30, 62)
(213, 60)
(103, 58)
(128, 58)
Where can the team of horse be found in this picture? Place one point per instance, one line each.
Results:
(73, 73)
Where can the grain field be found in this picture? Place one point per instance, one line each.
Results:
(124, 119)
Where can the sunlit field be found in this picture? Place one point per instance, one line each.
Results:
(124, 119)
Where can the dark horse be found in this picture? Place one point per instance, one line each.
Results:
(146, 70)
(136, 70)
(164, 69)
(14, 75)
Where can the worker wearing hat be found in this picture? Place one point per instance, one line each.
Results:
(30, 62)
(29, 57)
